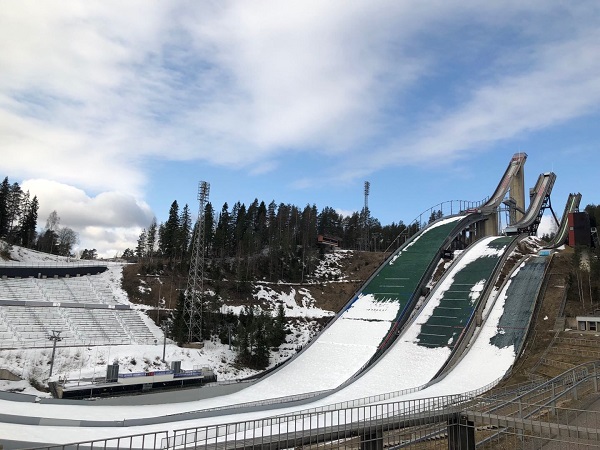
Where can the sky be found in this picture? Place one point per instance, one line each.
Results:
(110, 110)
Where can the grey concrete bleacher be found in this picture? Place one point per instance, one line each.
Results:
(137, 327)
(26, 327)
(31, 325)
(19, 289)
(83, 308)
(85, 289)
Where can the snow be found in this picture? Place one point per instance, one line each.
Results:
(90, 362)
(330, 267)
(306, 308)
(391, 374)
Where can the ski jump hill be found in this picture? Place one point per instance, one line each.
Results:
(407, 334)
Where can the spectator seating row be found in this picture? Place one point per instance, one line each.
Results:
(85, 289)
(23, 326)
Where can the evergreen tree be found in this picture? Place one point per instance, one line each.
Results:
(277, 336)
(89, 253)
(222, 232)
(185, 230)
(171, 232)
(128, 254)
(209, 227)
(178, 330)
(330, 222)
(13, 210)
(260, 356)
(47, 241)
(4, 195)
(140, 250)
(151, 239)
(29, 224)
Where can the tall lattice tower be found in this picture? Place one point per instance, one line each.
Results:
(195, 285)
(366, 217)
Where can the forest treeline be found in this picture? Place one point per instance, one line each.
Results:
(18, 223)
(243, 244)
(273, 242)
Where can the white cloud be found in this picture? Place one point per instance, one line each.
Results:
(93, 93)
(344, 212)
(109, 222)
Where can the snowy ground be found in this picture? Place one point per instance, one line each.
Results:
(85, 363)
(472, 372)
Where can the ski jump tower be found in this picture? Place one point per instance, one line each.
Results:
(512, 182)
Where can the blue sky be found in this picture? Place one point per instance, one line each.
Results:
(109, 111)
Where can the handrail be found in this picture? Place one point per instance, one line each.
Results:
(462, 206)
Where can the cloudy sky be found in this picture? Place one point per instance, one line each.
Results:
(110, 110)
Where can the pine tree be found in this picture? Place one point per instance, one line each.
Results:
(222, 232)
(170, 233)
(151, 239)
(209, 227)
(140, 250)
(29, 223)
(260, 356)
(13, 211)
(179, 331)
(278, 331)
(4, 194)
(185, 229)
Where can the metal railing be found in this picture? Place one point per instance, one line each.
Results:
(446, 208)
(491, 419)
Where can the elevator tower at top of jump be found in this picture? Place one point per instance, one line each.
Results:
(512, 182)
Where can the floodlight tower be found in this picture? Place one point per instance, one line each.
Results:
(366, 216)
(195, 285)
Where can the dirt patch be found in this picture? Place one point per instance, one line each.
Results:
(143, 288)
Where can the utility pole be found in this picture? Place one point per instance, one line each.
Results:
(54, 338)
(366, 217)
(165, 330)
(229, 326)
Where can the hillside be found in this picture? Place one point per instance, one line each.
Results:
(308, 306)
(328, 288)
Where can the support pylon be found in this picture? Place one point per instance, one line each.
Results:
(194, 294)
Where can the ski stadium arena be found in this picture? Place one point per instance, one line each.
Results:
(412, 360)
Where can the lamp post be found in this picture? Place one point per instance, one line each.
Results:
(165, 330)
(54, 338)
(229, 326)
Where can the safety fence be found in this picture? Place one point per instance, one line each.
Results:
(549, 415)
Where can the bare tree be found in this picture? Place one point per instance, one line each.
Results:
(67, 238)
(53, 221)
